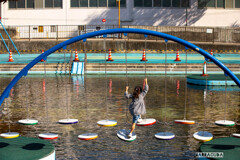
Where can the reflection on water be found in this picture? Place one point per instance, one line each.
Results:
(95, 98)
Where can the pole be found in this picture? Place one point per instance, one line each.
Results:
(29, 33)
(186, 21)
(10, 38)
(186, 12)
(57, 32)
(119, 14)
(5, 43)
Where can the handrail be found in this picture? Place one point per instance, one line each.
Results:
(9, 38)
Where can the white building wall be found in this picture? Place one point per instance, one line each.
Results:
(129, 16)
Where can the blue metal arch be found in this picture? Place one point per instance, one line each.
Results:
(187, 44)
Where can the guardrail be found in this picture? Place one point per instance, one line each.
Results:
(198, 34)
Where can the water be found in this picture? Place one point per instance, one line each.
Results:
(92, 98)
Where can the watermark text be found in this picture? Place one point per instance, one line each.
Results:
(209, 154)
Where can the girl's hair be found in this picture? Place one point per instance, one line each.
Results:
(137, 91)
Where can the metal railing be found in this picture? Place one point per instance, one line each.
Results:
(58, 32)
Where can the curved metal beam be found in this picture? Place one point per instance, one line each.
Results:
(187, 44)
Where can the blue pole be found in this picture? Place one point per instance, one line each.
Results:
(5, 43)
(10, 38)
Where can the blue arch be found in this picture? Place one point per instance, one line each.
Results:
(187, 44)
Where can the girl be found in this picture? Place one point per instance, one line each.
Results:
(137, 106)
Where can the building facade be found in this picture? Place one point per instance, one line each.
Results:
(214, 13)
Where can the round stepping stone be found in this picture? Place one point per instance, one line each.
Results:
(48, 136)
(165, 135)
(28, 121)
(88, 136)
(184, 122)
(107, 123)
(9, 135)
(123, 135)
(68, 121)
(224, 123)
(236, 135)
(203, 136)
(146, 122)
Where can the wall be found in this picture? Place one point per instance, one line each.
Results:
(129, 16)
(94, 46)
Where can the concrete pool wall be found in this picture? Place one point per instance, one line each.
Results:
(94, 45)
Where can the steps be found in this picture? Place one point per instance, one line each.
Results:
(52, 68)
(63, 68)
(158, 67)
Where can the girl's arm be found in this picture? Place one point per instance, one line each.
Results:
(126, 94)
(146, 88)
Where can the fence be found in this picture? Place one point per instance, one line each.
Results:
(198, 34)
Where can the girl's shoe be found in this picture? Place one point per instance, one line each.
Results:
(139, 120)
(130, 135)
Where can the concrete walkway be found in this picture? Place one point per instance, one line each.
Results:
(120, 58)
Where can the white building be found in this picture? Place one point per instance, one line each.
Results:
(133, 12)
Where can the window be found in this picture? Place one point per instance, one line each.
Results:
(185, 3)
(57, 3)
(162, 3)
(83, 3)
(81, 28)
(96, 3)
(53, 29)
(21, 4)
(40, 28)
(210, 3)
(166, 3)
(201, 3)
(53, 3)
(30, 3)
(112, 3)
(147, 3)
(157, 3)
(12, 4)
(17, 4)
(93, 3)
(123, 3)
(36, 4)
(75, 3)
(176, 3)
(138, 3)
(142, 3)
(48, 3)
(219, 3)
(237, 3)
(102, 3)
